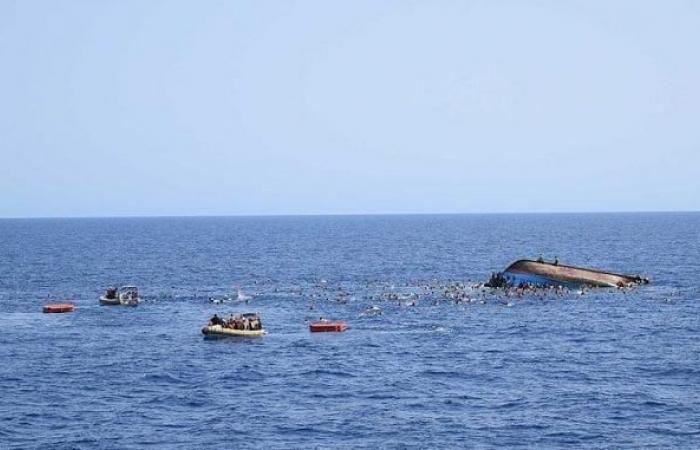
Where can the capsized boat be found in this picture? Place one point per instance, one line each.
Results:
(539, 273)
(241, 325)
(125, 296)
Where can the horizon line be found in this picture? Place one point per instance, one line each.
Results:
(356, 214)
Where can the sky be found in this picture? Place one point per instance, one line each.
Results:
(150, 108)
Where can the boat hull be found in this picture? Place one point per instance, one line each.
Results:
(542, 274)
(217, 331)
(117, 302)
(109, 301)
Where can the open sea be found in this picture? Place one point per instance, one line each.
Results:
(606, 369)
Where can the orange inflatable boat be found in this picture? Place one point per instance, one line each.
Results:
(59, 308)
(327, 326)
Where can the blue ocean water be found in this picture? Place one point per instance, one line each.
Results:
(603, 369)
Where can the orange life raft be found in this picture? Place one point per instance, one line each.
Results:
(58, 308)
(327, 326)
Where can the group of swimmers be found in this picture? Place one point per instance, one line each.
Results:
(414, 292)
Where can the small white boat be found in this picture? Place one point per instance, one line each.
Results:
(123, 296)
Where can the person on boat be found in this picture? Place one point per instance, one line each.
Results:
(556, 260)
(216, 320)
(540, 259)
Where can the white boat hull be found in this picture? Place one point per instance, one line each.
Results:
(117, 302)
(215, 331)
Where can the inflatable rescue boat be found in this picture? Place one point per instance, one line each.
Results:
(327, 326)
(53, 308)
(216, 331)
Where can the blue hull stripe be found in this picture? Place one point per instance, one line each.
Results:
(515, 279)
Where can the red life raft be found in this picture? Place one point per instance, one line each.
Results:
(59, 308)
(327, 326)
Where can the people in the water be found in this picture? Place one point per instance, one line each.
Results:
(497, 280)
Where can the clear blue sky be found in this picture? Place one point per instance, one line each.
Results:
(302, 107)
